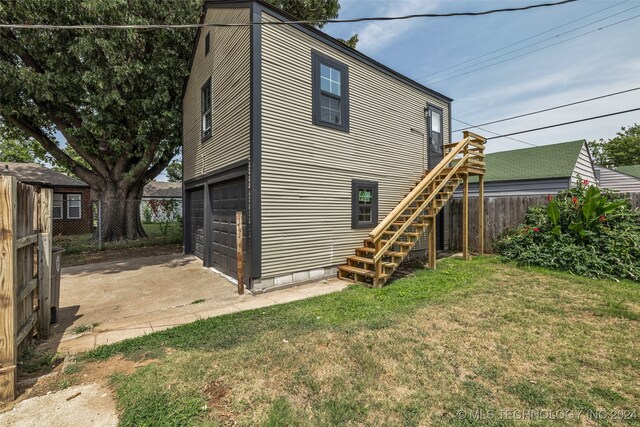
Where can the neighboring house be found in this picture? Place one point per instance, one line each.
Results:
(625, 179)
(161, 201)
(546, 169)
(71, 197)
(313, 141)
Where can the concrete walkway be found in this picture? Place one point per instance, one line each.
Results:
(118, 300)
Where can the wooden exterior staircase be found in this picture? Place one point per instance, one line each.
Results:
(398, 233)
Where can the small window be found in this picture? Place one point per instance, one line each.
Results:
(57, 206)
(206, 110)
(74, 208)
(207, 44)
(364, 204)
(330, 92)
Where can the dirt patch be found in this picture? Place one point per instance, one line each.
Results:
(81, 258)
(216, 394)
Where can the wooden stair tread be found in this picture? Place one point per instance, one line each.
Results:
(388, 253)
(360, 271)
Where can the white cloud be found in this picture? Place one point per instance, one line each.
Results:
(376, 36)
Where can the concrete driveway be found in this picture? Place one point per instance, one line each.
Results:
(109, 302)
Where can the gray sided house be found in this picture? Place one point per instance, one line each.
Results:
(546, 169)
(313, 141)
(625, 179)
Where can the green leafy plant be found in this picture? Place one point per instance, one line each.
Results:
(584, 230)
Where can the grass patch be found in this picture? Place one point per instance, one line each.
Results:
(473, 336)
(198, 301)
(80, 243)
(81, 329)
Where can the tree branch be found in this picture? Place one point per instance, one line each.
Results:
(36, 133)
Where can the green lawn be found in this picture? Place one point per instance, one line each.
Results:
(85, 242)
(453, 346)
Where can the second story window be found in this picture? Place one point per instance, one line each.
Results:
(205, 102)
(207, 44)
(330, 92)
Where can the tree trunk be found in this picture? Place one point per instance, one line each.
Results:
(119, 215)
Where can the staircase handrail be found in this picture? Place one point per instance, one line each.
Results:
(418, 190)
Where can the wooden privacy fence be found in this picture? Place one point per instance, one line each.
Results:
(25, 273)
(500, 212)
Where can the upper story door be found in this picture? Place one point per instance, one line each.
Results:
(435, 138)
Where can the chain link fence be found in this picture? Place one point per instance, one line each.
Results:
(83, 225)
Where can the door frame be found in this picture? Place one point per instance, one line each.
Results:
(428, 110)
(241, 171)
(440, 217)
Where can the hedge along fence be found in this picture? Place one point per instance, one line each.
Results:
(500, 212)
(25, 273)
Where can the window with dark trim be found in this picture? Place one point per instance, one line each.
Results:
(207, 44)
(57, 206)
(74, 206)
(205, 102)
(364, 204)
(330, 92)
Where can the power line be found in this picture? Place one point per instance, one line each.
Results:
(494, 133)
(548, 109)
(530, 45)
(564, 123)
(307, 21)
(520, 41)
(536, 50)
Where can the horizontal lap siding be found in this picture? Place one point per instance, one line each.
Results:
(584, 167)
(618, 181)
(228, 65)
(307, 170)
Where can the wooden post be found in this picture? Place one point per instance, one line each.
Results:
(44, 285)
(44, 264)
(8, 288)
(465, 218)
(377, 280)
(239, 253)
(480, 214)
(432, 242)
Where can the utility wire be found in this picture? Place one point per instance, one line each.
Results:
(520, 41)
(563, 124)
(307, 21)
(533, 51)
(528, 46)
(494, 133)
(547, 109)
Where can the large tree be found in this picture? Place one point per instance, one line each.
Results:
(621, 150)
(114, 95)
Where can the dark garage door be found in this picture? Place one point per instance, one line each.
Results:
(226, 199)
(196, 222)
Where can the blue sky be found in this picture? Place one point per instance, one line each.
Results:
(591, 65)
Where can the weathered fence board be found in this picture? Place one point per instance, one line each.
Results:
(25, 276)
(500, 212)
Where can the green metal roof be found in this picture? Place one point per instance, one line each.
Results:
(546, 161)
(633, 170)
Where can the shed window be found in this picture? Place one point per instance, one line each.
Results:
(207, 44)
(74, 208)
(206, 109)
(364, 204)
(330, 92)
(57, 206)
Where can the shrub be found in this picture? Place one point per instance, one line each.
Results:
(585, 230)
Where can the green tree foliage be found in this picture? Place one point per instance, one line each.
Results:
(15, 147)
(585, 230)
(174, 171)
(115, 95)
(622, 150)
